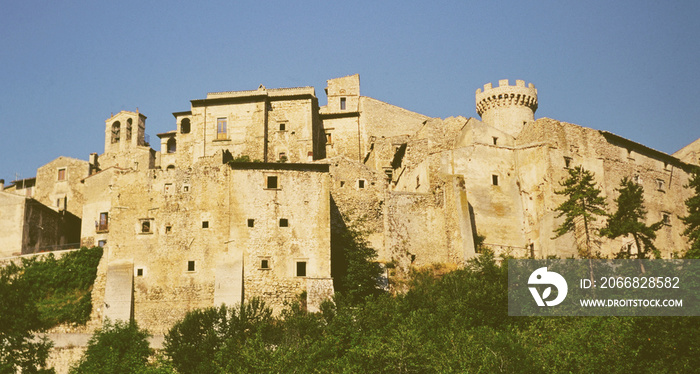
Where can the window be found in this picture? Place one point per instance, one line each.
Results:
(190, 266)
(636, 178)
(271, 182)
(168, 188)
(666, 218)
(301, 269)
(284, 222)
(342, 103)
(116, 129)
(283, 157)
(494, 179)
(146, 226)
(329, 139)
(389, 173)
(172, 146)
(62, 174)
(221, 128)
(495, 140)
(129, 122)
(101, 243)
(205, 224)
(103, 224)
(342, 183)
(283, 126)
(185, 126)
(660, 185)
(185, 188)
(168, 229)
(264, 263)
(361, 183)
(139, 272)
(251, 222)
(309, 156)
(567, 162)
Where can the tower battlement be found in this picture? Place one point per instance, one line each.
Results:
(507, 107)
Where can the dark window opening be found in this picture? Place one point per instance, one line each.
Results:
(361, 183)
(283, 126)
(116, 129)
(190, 265)
(139, 272)
(494, 180)
(129, 122)
(342, 183)
(205, 224)
(185, 126)
(251, 222)
(264, 264)
(567, 162)
(103, 224)
(301, 268)
(342, 103)
(495, 140)
(168, 229)
(660, 184)
(146, 226)
(666, 218)
(272, 182)
(284, 222)
(172, 145)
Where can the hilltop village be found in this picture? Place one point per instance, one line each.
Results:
(239, 199)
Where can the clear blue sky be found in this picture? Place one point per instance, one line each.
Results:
(628, 67)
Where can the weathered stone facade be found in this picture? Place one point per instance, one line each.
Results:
(187, 227)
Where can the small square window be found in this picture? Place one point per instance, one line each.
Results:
(343, 103)
(185, 188)
(361, 183)
(283, 126)
(283, 156)
(301, 269)
(666, 218)
(251, 222)
(567, 162)
(284, 222)
(264, 263)
(494, 179)
(139, 272)
(190, 266)
(62, 174)
(660, 184)
(146, 226)
(168, 229)
(101, 243)
(271, 182)
(205, 224)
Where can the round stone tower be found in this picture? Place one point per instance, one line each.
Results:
(506, 107)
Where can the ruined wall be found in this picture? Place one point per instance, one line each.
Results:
(11, 224)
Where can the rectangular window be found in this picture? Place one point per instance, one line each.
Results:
(329, 139)
(62, 174)
(221, 128)
(146, 226)
(103, 224)
(660, 184)
(139, 272)
(271, 182)
(283, 126)
(251, 222)
(361, 183)
(283, 156)
(205, 224)
(168, 229)
(301, 269)
(284, 222)
(495, 140)
(494, 179)
(264, 263)
(190, 266)
(101, 243)
(342, 103)
(567, 162)
(666, 218)
(168, 188)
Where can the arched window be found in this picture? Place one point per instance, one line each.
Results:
(185, 126)
(172, 146)
(128, 129)
(116, 129)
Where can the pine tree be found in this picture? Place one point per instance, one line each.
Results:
(629, 219)
(581, 207)
(692, 220)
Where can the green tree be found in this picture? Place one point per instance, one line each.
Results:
(692, 220)
(20, 351)
(580, 209)
(629, 219)
(117, 348)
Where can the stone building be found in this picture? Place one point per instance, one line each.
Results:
(191, 225)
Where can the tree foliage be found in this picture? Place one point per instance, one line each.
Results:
(629, 219)
(692, 220)
(117, 348)
(581, 208)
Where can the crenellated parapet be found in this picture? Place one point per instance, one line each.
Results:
(507, 107)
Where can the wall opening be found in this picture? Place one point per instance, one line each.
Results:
(185, 126)
(190, 266)
(301, 269)
(172, 145)
(494, 179)
(284, 222)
